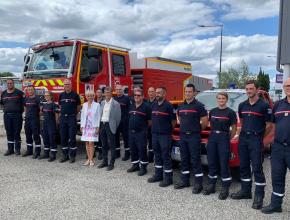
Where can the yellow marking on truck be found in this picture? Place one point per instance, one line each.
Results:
(44, 83)
(51, 82)
(60, 83)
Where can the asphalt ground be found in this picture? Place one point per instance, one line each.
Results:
(37, 189)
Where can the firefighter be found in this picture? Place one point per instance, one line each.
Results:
(151, 100)
(193, 118)
(69, 102)
(98, 145)
(50, 112)
(124, 102)
(280, 156)
(255, 116)
(163, 121)
(139, 119)
(221, 118)
(32, 123)
(12, 101)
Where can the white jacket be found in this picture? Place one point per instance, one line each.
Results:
(96, 113)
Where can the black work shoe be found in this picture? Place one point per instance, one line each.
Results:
(165, 182)
(35, 156)
(154, 179)
(241, 195)
(100, 157)
(43, 157)
(125, 158)
(103, 164)
(51, 159)
(224, 193)
(133, 168)
(27, 153)
(110, 167)
(64, 159)
(210, 189)
(8, 153)
(197, 188)
(142, 172)
(258, 202)
(17, 153)
(271, 209)
(72, 160)
(181, 185)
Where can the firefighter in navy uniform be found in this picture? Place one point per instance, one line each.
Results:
(151, 100)
(124, 102)
(221, 118)
(193, 118)
(163, 121)
(12, 101)
(69, 102)
(280, 155)
(32, 123)
(50, 112)
(139, 119)
(255, 116)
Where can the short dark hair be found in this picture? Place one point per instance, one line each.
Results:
(190, 85)
(10, 79)
(31, 86)
(162, 87)
(108, 89)
(139, 90)
(251, 81)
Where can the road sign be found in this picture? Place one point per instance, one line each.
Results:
(279, 78)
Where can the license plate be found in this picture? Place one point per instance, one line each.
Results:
(176, 150)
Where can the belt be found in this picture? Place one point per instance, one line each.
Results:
(284, 143)
(67, 115)
(190, 132)
(219, 132)
(250, 132)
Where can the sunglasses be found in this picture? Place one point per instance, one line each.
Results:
(137, 95)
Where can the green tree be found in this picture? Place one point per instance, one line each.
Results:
(6, 74)
(263, 80)
(237, 76)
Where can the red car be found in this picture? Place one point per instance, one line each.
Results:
(208, 98)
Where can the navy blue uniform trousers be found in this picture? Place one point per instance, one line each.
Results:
(138, 147)
(32, 133)
(280, 161)
(190, 154)
(218, 155)
(251, 152)
(13, 126)
(68, 132)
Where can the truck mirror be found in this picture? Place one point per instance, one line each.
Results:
(26, 59)
(25, 68)
(93, 52)
(93, 66)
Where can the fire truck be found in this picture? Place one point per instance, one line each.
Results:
(91, 65)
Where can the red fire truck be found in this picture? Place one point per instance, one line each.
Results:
(92, 65)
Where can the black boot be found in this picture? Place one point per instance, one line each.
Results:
(224, 193)
(72, 160)
(241, 195)
(135, 167)
(126, 156)
(258, 202)
(181, 185)
(166, 182)
(28, 152)
(197, 188)
(45, 155)
(64, 159)
(270, 209)
(210, 189)
(155, 179)
(111, 166)
(10, 150)
(103, 164)
(143, 170)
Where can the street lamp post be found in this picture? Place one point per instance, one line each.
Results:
(221, 45)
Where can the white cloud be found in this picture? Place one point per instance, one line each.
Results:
(248, 9)
(11, 59)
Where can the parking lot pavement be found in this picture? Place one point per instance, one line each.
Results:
(33, 189)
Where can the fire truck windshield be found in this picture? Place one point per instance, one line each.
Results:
(52, 61)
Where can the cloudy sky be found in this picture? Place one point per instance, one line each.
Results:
(167, 28)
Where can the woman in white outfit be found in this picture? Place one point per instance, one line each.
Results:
(90, 124)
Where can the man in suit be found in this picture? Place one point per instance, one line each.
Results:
(110, 120)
